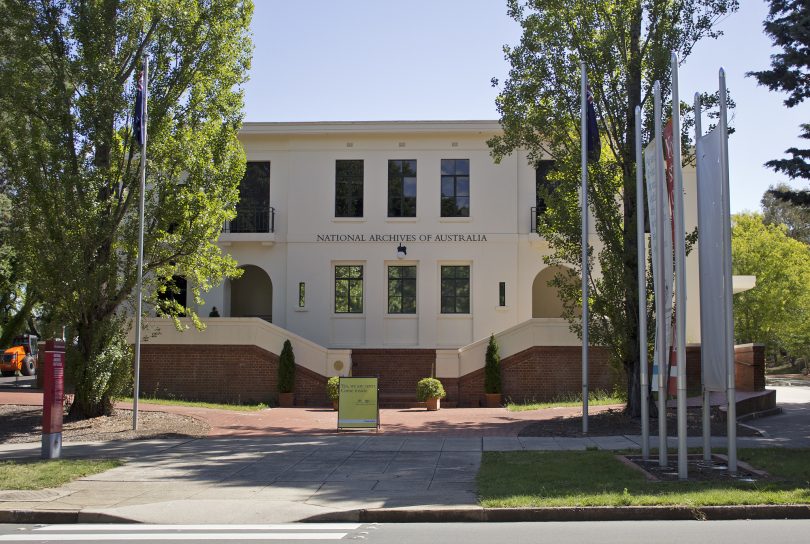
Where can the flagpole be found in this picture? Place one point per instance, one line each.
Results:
(642, 296)
(680, 272)
(660, 292)
(584, 156)
(731, 415)
(139, 288)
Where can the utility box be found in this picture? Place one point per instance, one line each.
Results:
(53, 398)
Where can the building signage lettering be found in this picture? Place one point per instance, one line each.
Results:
(401, 238)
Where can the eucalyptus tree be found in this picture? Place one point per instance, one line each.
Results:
(67, 90)
(626, 45)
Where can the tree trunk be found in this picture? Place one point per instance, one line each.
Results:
(91, 396)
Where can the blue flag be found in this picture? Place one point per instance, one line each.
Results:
(137, 120)
(594, 144)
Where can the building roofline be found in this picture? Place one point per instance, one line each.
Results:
(370, 127)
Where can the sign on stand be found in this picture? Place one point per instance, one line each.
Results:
(53, 399)
(358, 404)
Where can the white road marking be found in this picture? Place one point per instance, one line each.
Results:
(255, 527)
(169, 536)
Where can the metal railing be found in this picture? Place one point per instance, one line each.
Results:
(252, 219)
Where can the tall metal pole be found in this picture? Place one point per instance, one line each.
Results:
(139, 287)
(680, 272)
(731, 415)
(642, 296)
(707, 414)
(660, 291)
(584, 155)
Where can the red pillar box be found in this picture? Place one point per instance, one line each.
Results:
(53, 399)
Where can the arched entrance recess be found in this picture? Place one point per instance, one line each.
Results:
(252, 294)
(545, 301)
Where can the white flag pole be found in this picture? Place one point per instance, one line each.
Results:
(731, 415)
(680, 272)
(707, 414)
(139, 287)
(642, 296)
(660, 292)
(584, 201)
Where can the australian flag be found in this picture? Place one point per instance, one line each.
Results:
(137, 120)
(594, 144)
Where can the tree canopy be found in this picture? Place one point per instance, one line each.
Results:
(626, 46)
(67, 88)
(788, 25)
(778, 211)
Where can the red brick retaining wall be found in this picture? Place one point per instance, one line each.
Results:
(399, 370)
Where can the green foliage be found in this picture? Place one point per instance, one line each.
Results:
(492, 368)
(626, 46)
(429, 388)
(67, 89)
(777, 311)
(788, 24)
(780, 211)
(286, 369)
(595, 398)
(333, 388)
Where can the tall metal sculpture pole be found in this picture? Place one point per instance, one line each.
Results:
(642, 296)
(584, 202)
(139, 287)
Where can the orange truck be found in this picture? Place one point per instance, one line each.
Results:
(22, 356)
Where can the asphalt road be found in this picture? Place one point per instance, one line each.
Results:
(638, 532)
(11, 382)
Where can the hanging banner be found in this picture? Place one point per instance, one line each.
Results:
(710, 252)
(672, 384)
(661, 242)
(358, 403)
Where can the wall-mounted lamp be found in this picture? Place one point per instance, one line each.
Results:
(402, 251)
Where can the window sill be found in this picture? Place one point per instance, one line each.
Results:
(454, 316)
(455, 219)
(299, 309)
(401, 316)
(401, 219)
(502, 308)
(349, 316)
(348, 220)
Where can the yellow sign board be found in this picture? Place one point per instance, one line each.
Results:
(358, 406)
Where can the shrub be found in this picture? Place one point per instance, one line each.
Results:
(333, 388)
(429, 388)
(492, 369)
(286, 369)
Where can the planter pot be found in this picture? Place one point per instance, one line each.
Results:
(493, 400)
(286, 400)
(433, 404)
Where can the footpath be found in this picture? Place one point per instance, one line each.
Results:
(422, 468)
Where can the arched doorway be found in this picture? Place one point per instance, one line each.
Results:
(252, 294)
(545, 299)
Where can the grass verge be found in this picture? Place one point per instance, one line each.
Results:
(597, 478)
(50, 473)
(595, 398)
(199, 404)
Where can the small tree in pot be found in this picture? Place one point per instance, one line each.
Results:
(333, 390)
(286, 376)
(492, 374)
(430, 391)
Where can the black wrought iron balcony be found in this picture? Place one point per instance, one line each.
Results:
(252, 219)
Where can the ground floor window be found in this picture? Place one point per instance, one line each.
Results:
(348, 289)
(402, 289)
(455, 285)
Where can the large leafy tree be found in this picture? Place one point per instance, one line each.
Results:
(788, 24)
(795, 217)
(626, 46)
(777, 311)
(67, 72)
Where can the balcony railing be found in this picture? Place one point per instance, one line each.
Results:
(252, 219)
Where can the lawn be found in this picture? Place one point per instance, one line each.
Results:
(595, 398)
(199, 404)
(597, 478)
(50, 473)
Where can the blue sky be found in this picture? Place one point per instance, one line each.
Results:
(357, 60)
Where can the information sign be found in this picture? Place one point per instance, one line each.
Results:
(53, 399)
(358, 404)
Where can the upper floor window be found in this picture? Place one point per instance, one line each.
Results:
(253, 212)
(455, 187)
(349, 188)
(401, 188)
(455, 289)
(543, 187)
(401, 289)
(348, 289)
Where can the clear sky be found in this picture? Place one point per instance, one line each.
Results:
(362, 60)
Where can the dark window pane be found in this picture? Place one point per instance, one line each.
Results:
(448, 186)
(462, 186)
(462, 167)
(409, 186)
(448, 167)
(349, 188)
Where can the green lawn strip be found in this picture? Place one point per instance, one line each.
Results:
(597, 478)
(198, 404)
(50, 473)
(593, 400)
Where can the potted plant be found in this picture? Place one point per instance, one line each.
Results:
(430, 391)
(492, 374)
(333, 390)
(286, 376)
